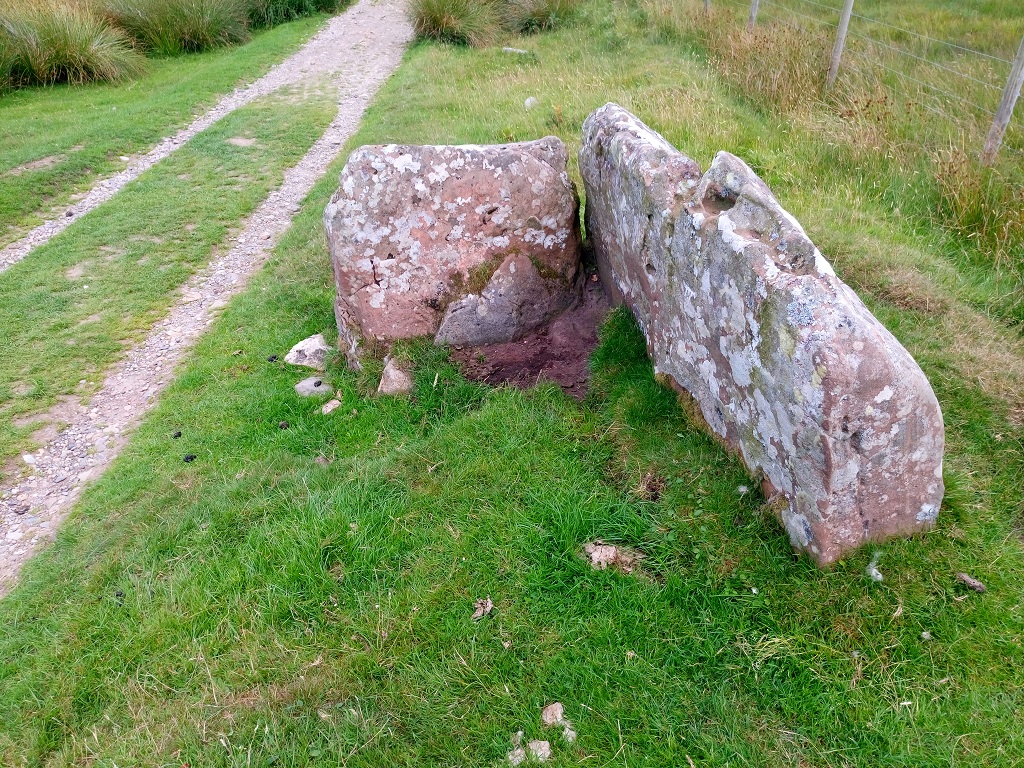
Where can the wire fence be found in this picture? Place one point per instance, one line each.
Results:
(973, 91)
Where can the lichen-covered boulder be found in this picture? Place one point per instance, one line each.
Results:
(783, 361)
(469, 244)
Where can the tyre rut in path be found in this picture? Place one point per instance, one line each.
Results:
(368, 42)
(323, 55)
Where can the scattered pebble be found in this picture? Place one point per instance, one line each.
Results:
(541, 750)
(603, 556)
(531, 103)
(394, 380)
(517, 756)
(283, 425)
(309, 353)
(312, 387)
(554, 715)
(926, 636)
(330, 407)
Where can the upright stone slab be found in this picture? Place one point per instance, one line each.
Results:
(469, 244)
(785, 363)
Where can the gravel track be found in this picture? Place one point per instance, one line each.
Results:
(322, 56)
(358, 50)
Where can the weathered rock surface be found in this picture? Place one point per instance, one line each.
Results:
(310, 353)
(471, 245)
(394, 380)
(314, 386)
(783, 361)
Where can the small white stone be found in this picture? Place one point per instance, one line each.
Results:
(541, 750)
(309, 353)
(394, 381)
(531, 103)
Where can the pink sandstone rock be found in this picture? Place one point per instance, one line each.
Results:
(783, 361)
(470, 244)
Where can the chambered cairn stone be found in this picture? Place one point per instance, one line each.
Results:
(783, 361)
(468, 244)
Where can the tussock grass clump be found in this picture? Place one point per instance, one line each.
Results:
(61, 43)
(267, 13)
(979, 203)
(76, 41)
(173, 27)
(470, 22)
(537, 15)
(463, 22)
(779, 65)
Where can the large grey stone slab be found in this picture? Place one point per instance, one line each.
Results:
(782, 360)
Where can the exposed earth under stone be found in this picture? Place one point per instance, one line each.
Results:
(559, 351)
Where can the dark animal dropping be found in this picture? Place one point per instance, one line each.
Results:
(272, 359)
(189, 458)
(283, 425)
(176, 435)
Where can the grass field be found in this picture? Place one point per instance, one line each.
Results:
(78, 300)
(58, 141)
(303, 596)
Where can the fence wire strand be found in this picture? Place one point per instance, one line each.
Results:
(949, 94)
(871, 20)
(876, 41)
(794, 11)
(934, 110)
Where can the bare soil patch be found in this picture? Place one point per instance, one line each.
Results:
(558, 352)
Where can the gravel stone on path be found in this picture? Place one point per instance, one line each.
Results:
(358, 50)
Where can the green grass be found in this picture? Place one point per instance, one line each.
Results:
(43, 42)
(907, 114)
(70, 137)
(64, 44)
(73, 305)
(258, 607)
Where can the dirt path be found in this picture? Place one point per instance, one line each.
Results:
(325, 54)
(359, 49)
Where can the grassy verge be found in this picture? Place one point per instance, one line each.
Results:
(43, 42)
(58, 141)
(260, 606)
(72, 307)
(909, 115)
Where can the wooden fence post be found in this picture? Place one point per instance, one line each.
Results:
(1010, 94)
(837, 51)
(753, 14)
